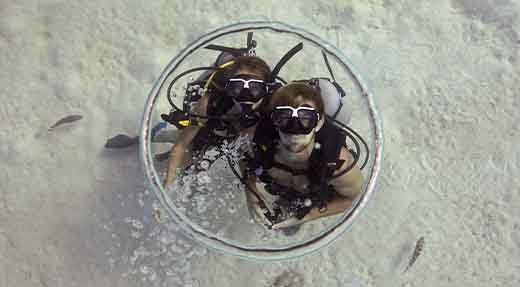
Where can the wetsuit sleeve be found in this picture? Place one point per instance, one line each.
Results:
(350, 183)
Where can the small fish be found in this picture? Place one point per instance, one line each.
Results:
(157, 215)
(121, 141)
(66, 120)
(160, 216)
(416, 252)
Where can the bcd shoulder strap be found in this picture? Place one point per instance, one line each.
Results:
(265, 142)
(325, 160)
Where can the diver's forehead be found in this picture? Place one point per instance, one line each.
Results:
(248, 73)
(298, 101)
(307, 103)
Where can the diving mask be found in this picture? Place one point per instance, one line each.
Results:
(301, 120)
(245, 89)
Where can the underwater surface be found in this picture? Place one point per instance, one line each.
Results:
(445, 79)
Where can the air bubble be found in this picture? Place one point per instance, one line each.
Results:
(264, 250)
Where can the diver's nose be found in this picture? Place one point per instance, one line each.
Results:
(293, 126)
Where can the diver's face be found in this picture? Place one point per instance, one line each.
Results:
(295, 141)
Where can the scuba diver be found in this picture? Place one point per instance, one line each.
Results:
(299, 162)
(229, 112)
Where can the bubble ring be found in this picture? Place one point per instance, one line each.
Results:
(229, 246)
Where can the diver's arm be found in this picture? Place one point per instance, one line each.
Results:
(180, 153)
(335, 206)
(251, 190)
(255, 197)
(338, 204)
(256, 205)
(346, 186)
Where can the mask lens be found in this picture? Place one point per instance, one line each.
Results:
(234, 88)
(308, 118)
(281, 117)
(257, 89)
(303, 122)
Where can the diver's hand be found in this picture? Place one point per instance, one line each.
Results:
(291, 221)
(260, 215)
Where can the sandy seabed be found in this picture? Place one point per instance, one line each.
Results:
(446, 80)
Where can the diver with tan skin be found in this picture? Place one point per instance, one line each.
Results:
(290, 171)
(246, 87)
